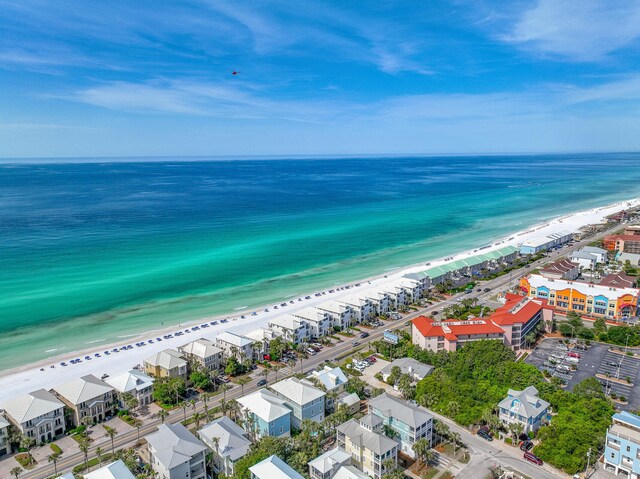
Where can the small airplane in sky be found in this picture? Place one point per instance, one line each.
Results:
(235, 72)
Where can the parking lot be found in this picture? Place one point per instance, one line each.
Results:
(598, 359)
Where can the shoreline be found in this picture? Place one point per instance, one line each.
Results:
(23, 379)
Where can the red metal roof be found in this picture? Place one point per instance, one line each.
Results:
(526, 312)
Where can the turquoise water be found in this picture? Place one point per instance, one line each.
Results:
(100, 250)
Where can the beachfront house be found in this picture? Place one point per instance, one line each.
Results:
(622, 447)
(333, 380)
(417, 370)
(235, 345)
(167, 363)
(413, 287)
(38, 415)
(265, 414)
(397, 295)
(5, 445)
(89, 397)
(303, 398)
(228, 442)
(326, 465)
(273, 468)
(114, 470)
(380, 301)
(175, 453)
(361, 306)
(524, 407)
(203, 353)
(368, 447)
(319, 321)
(341, 314)
(409, 422)
(291, 328)
(134, 382)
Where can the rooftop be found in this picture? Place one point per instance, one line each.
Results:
(32, 405)
(619, 280)
(526, 402)
(452, 328)
(173, 445)
(274, 468)
(201, 348)
(517, 310)
(402, 411)
(299, 391)
(378, 443)
(333, 306)
(327, 461)
(132, 380)
(407, 365)
(310, 313)
(350, 472)
(265, 404)
(562, 266)
(330, 377)
(167, 359)
(234, 339)
(232, 441)
(83, 389)
(588, 289)
(287, 321)
(115, 470)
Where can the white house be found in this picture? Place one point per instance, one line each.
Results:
(319, 321)
(361, 306)
(410, 366)
(87, 396)
(303, 398)
(176, 453)
(397, 295)
(326, 465)
(115, 470)
(204, 353)
(39, 415)
(235, 344)
(228, 441)
(332, 379)
(291, 328)
(341, 314)
(380, 301)
(273, 468)
(5, 446)
(135, 382)
(589, 257)
(524, 407)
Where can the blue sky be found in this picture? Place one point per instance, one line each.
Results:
(120, 78)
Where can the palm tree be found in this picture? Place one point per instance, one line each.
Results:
(257, 347)
(193, 403)
(455, 438)
(516, 429)
(454, 408)
(99, 452)
(276, 368)
(234, 351)
(87, 421)
(429, 456)
(83, 444)
(205, 399)
(265, 373)
(216, 443)
(420, 448)
(111, 432)
(184, 406)
(53, 458)
(242, 381)
(27, 442)
(16, 471)
(197, 417)
(224, 388)
(234, 408)
(162, 415)
(442, 430)
(137, 423)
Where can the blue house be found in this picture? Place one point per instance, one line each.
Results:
(266, 413)
(524, 407)
(622, 449)
(303, 399)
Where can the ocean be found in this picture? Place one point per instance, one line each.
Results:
(97, 251)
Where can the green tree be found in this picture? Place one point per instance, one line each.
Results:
(420, 448)
(395, 374)
(277, 347)
(162, 415)
(233, 367)
(200, 379)
(111, 432)
(355, 385)
(53, 458)
(83, 445)
(168, 390)
(15, 472)
(589, 388)
(599, 326)
(242, 382)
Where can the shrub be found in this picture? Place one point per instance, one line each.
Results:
(508, 440)
(614, 396)
(623, 399)
(55, 448)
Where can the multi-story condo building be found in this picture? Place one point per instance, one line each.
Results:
(584, 298)
(5, 445)
(228, 442)
(115, 470)
(87, 396)
(542, 243)
(622, 447)
(266, 414)
(273, 468)
(519, 316)
(341, 314)
(625, 243)
(176, 453)
(380, 301)
(524, 407)
(360, 305)
(451, 334)
(134, 382)
(168, 363)
(235, 345)
(39, 415)
(203, 353)
(303, 398)
(369, 448)
(326, 465)
(319, 321)
(332, 379)
(409, 422)
(291, 328)
(413, 287)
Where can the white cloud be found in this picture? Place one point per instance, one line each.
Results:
(582, 30)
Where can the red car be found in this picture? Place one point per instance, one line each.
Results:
(574, 355)
(533, 458)
(266, 357)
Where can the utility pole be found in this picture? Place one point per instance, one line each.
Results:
(586, 475)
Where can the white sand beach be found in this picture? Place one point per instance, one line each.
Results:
(22, 380)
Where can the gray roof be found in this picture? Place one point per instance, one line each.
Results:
(234, 339)
(378, 443)
(83, 389)
(173, 445)
(68, 475)
(409, 364)
(327, 461)
(232, 442)
(201, 348)
(115, 470)
(133, 380)
(274, 468)
(583, 255)
(349, 399)
(3, 422)
(265, 404)
(593, 249)
(167, 359)
(32, 405)
(526, 403)
(350, 472)
(298, 391)
(370, 421)
(329, 377)
(400, 410)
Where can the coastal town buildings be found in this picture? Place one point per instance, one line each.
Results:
(589, 257)
(333, 380)
(523, 407)
(326, 465)
(266, 414)
(620, 280)
(625, 243)
(114, 470)
(167, 363)
(176, 453)
(38, 415)
(235, 345)
(203, 353)
(228, 442)
(350, 401)
(134, 382)
(545, 242)
(360, 305)
(585, 298)
(291, 328)
(520, 316)
(369, 448)
(304, 399)
(622, 446)
(5, 445)
(410, 366)
(341, 314)
(409, 422)
(273, 468)
(350, 472)
(319, 321)
(451, 335)
(632, 258)
(380, 301)
(561, 269)
(87, 396)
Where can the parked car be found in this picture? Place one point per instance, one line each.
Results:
(364, 335)
(526, 446)
(486, 290)
(262, 382)
(574, 355)
(533, 458)
(485, 435)
(266, 357)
